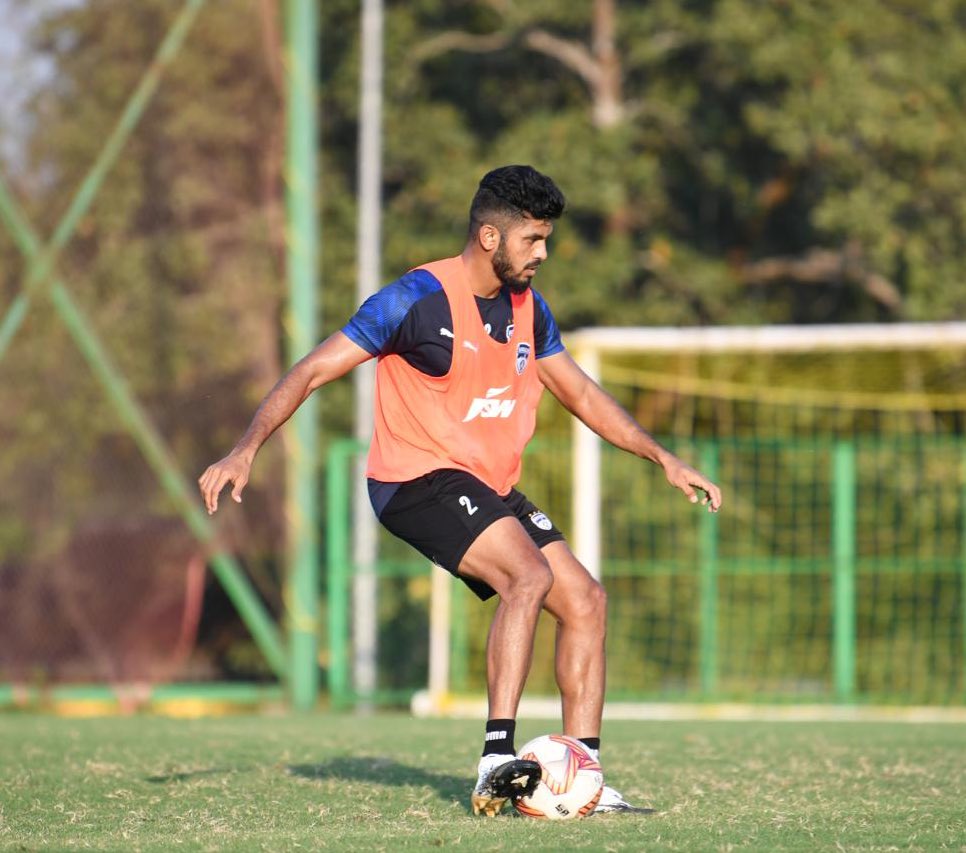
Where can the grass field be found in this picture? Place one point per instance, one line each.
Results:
(390, 782)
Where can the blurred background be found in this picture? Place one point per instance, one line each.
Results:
(727, 163)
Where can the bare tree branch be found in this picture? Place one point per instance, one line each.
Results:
(449, 40)
(598, 66)
(570, 53)
(608, 94)
(821, 266)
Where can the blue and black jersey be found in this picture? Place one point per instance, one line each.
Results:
(411, 318)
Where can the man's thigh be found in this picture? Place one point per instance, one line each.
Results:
(513, 547)
(441, 515)
(535, 522)
(574, 588)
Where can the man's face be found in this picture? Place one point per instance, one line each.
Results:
(523, 247)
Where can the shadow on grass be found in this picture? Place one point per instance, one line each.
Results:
(184, 776)
(385, 771)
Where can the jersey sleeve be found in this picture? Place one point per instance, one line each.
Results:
(546, 335)
(375, 325)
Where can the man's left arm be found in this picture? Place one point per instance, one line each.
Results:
(586, 400)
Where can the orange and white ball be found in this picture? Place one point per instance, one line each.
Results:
(571, 781)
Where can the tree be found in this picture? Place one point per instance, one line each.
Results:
(726, 162)
(177, 265)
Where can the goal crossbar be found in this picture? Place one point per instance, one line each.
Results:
(589, 344)
(768, 338)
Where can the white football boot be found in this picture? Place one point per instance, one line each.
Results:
(500, 777)
(611, 800)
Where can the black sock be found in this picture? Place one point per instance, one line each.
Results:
(590, 742)
(499, 737)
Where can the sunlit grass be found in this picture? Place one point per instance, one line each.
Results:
(389, 782)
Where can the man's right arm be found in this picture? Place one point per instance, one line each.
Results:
(334, 357)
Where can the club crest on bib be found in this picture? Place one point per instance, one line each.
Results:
(538, 519)
(523, 353)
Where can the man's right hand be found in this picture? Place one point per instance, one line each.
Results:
(332, 358)
(234, 468)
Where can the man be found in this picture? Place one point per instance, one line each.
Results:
(465, 349)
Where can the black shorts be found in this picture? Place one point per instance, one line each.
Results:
(442, 513)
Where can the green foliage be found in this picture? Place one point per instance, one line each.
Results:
(740, 133)
(176, 265)
(747, 131)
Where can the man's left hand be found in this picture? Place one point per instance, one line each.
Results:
(689, 481)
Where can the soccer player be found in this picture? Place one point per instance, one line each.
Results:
(465, 348)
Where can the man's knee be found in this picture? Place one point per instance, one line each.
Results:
(586, 606)
(596, 602)
(531, 582)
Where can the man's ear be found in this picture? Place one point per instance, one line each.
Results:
(489, 237)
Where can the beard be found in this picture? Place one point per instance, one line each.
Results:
(503, 269)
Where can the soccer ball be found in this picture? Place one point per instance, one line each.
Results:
(571, 782)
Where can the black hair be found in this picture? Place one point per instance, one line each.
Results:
(511, 193)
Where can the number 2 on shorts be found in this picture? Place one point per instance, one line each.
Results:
(465, 501)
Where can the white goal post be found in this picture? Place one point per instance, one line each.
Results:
(590, 347)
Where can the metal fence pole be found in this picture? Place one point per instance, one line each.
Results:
(587, 492)
(708, 546)
(459, 673)
(365, 547)
(962, 558)
(337, 557)
(302, 235)
(843, 583)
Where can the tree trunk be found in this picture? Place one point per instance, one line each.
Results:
(608, 109)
